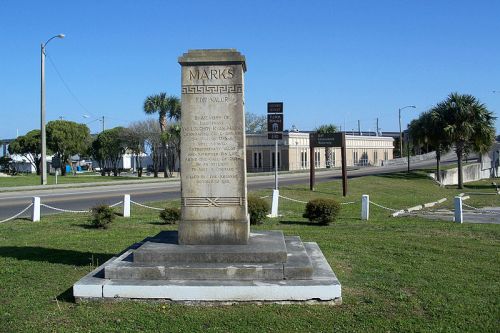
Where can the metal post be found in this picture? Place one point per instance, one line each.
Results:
(43, 161)
(400, 136)
(43, 139)
(344, 165)
(458, 210)
(276, 165)
(365, 207)
(56, 175)
(103, 123)
(408, 150)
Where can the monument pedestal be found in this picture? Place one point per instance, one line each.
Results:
(270, 268)
(214, 232)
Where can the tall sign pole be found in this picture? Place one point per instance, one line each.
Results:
(275, 132)
(344, 165)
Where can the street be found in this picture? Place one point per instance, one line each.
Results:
(81, 199)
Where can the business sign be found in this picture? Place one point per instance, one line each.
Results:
(275, 107)
(326, 139)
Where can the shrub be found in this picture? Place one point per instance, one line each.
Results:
(170, 215)
(258, 209)
(101, 216)
(322, 211)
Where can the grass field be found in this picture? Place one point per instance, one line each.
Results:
(32, 179)
(397, 274)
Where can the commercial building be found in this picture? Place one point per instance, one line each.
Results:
(293, 152)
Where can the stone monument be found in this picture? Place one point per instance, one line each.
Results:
(214, 257)
(213, 177)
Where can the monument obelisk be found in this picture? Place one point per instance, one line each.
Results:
(213, 169)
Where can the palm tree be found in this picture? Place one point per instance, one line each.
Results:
(468, 125)
(427, 130)
(327, 129)
(166, 107)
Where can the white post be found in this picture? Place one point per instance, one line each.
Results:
(274, 206)
(126, 205)
(458, 210)
(365, 207)
(56, 175)
(35, 214)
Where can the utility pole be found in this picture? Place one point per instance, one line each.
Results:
(377, 128)
(43, 134)
(359, 127)
(103, 123)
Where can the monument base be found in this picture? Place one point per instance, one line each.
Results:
(301, 275)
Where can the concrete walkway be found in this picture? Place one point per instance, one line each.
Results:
(489, 215)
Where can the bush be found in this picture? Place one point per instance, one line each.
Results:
(170, 215)
(322, 211)
(258, 209)
(101, 216)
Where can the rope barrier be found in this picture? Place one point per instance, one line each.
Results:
(299, 201)
(21, 212)
(348, 203)
(479, 210)
(65, 210)
(481, 193)
(116, 204)
(264, 197)
(376, 204)
(141, 205)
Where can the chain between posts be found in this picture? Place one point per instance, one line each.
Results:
(18, 214)
(65, 210)
(141, 205)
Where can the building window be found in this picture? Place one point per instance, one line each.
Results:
(386, 155)
(364, 158)
(279, 160)
(303, 159)
(333, 158)
(355, 157)
(317, 159)
(257, 160)
(375, 157)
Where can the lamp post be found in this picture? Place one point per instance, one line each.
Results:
(43, 162)
(401, 133)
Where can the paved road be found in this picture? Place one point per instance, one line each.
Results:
(84, 198)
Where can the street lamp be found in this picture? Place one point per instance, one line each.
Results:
(43, 162)
(401, 133)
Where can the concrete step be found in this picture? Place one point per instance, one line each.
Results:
(298, 265)
(262, 247)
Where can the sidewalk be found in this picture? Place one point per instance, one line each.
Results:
(79, 185)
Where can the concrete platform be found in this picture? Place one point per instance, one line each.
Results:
(297, 266)
(323, 286)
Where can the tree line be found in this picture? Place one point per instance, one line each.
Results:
(460, 122)
(67, 138)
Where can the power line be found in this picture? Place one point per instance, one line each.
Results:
(67, 86)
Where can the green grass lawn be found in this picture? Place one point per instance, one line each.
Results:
(397, 274)
(32, 179)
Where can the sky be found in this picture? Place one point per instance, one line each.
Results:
(327, 61)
